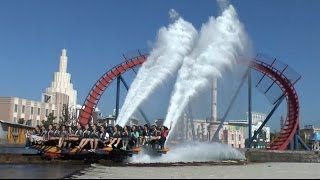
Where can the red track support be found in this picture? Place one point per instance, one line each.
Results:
(280, 142)
(100, 86)
(288, 131)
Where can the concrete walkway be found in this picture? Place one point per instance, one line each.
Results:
(247, 171)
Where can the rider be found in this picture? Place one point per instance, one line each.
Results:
(163, 135)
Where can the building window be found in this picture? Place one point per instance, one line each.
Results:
(52, 112)
(239, 145)
(232, 145)
(38, 122)
(232, 137)
(23, 108)
(38, 111)
(239, 137)
(31, 111)
(16, 108)
(14, 120)
(47, 112)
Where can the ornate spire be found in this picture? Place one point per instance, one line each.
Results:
(63, 61)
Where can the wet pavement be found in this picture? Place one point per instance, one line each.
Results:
(202, 170)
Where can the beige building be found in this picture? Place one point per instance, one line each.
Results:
(233, 135)
(13, 108)
(61, 89)
(59, 93)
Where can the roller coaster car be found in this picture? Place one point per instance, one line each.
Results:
(151, 151)
(48, 152)
(108, 153)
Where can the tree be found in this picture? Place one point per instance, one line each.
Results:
(21, 121)
(66, 116)
(273, 135)
(263, 135)
(29, 122)
(50, 119)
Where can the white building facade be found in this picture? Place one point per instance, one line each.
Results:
(61, 89)
(257, 120)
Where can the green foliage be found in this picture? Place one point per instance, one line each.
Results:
(29, 122)
(21, 121)
(263, 135)
(50, 119)
(65, 119)
(273, 135)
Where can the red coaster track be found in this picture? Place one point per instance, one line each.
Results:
(291, 124)
(279, 143)
(104, 81)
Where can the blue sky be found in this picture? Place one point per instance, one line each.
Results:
(96, 33)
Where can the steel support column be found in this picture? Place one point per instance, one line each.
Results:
(266, 120)
(215, 136)
(291, 146)
(296, 143)
(249, 108)
(295, 139)
(117, 97)
(303, 144)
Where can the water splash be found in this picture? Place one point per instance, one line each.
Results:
(193, 152)
(222, 41)
(172, 45)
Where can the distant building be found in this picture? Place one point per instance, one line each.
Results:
(198, 130)
(233, 135)
(13, 108)
(59, 93)
(96, 114)
(233, 132)
(257, 117)
(107, 121)
(263, 138)
(61, 90)
(310, 135)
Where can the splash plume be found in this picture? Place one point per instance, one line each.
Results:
(172, 45)
(222, 41)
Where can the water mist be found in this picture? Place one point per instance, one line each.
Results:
(172, 45)
(193, 152)
(222, 41)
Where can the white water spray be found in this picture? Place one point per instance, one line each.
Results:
(172, 45)
(221, 43)
(193, 152)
